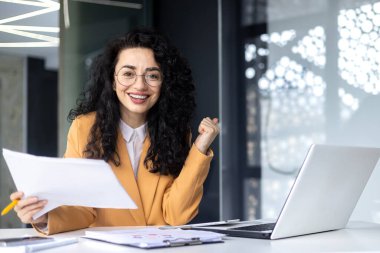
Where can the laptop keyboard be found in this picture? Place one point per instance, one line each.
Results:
(257, 227)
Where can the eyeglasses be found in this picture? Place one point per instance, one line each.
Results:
(126, 77)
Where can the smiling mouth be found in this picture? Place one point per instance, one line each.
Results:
(138, 99)
(137, 96)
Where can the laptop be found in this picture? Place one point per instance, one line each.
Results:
(323, 195)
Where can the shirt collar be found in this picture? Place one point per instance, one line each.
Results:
(128, 131)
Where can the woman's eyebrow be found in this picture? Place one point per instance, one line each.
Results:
(152, 69)
(147, 69)
(128, 66)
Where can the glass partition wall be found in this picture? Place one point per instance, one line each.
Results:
(309, 74)
(86, 26)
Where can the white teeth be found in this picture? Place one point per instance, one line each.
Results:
(138, 96)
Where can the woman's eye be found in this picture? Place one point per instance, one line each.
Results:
(153, 76)
(129, 74)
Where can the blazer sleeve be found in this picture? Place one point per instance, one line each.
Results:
(183, 196)
(68, 218)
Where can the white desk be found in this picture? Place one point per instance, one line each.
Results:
(357, 237)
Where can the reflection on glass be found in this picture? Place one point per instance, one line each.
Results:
(312, 47)
(251, 187)
(349, 104)
(279, 38)
(286, 71)
(292, 99)
(359, 47)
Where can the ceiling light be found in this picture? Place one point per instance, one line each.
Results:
(31, 32)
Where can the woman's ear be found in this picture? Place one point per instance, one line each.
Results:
(114, 86)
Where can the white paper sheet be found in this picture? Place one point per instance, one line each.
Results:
(67, 181)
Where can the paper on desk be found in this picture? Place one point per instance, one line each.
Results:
(152, 237)
(67, 181)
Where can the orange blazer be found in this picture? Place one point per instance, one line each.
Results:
(160, 199)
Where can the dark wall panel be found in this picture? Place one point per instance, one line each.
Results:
(41, 109)
(193, 27)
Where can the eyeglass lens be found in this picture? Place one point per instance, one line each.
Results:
(127, 77)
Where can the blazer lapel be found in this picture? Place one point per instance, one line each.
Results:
(147, 181)
(127, 179)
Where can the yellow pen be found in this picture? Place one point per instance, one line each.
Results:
(9, 207)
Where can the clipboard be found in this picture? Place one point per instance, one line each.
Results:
(149, 238)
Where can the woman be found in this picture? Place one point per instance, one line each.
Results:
(135, 114)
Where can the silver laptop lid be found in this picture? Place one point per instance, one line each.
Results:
(326, 189)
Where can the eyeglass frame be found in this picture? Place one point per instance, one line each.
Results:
(143, 75)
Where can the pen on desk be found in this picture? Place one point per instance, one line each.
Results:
(9, 207)
(213, 223)
(49, 245)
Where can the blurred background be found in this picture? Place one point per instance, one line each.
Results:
(280, 75)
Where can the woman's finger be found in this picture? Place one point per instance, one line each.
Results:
(16, 195)
(208, 127)
(27, 212)
(25, 202)
(209, 123)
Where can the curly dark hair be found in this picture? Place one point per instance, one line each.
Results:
(168, 121)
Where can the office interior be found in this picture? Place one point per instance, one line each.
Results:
(279, 74)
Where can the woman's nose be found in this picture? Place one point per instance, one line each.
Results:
(140, 82)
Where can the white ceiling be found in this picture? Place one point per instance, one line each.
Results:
(30, 28)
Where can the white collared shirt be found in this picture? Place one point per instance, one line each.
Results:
(134, 138)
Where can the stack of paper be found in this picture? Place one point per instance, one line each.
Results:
(155, 237)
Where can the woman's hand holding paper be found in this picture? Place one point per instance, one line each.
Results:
(28, 207)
